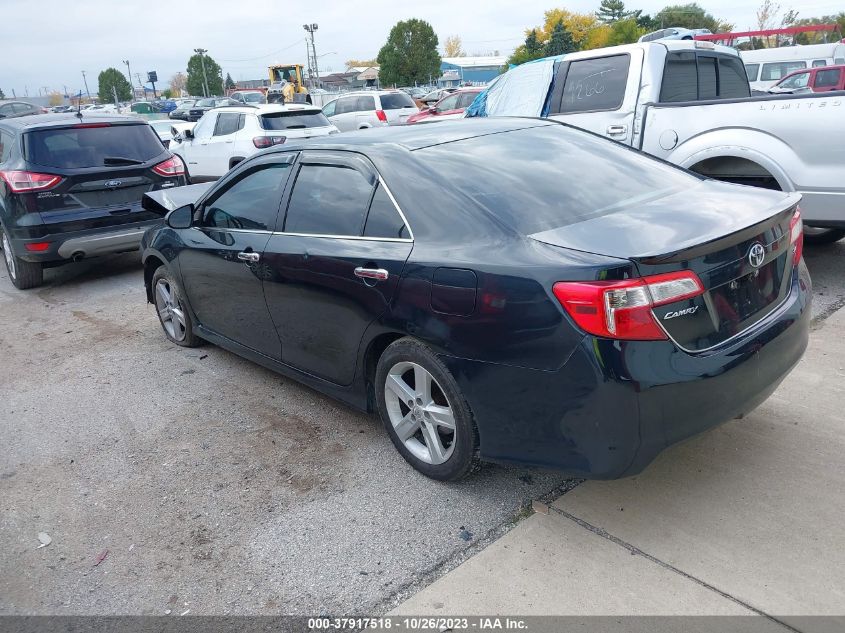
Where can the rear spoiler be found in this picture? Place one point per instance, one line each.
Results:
(162, 201)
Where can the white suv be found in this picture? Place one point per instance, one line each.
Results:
(375, 108)
(225, 136)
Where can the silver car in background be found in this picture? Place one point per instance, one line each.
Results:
(371, 108)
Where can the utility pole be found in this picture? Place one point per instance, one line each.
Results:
(87, 92)
(201, 52)
(129, 76)
(310, 28)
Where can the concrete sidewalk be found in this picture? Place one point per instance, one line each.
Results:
(746, 519)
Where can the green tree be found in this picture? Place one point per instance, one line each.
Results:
(690, 16)
(213, 75)
(815, 38)
(646, 22)
(113, 78)
(167, 93)
(410, 54)
(560, 42)
(230, 83)
(611, 11)
(624, 32)
(531, 49)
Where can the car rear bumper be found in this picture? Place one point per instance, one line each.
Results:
(85, 243)
(612, 408)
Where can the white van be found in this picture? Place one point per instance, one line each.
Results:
(767, 66)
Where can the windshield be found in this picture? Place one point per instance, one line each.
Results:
(552, 175)
(293, 120)
(81, 146)
(205, 103)
(253, 97)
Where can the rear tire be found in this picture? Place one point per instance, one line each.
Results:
(24, 275)
(425, 413)
(824, 236)
(173, 314)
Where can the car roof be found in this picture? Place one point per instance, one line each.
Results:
(57, 119)
(415, 137)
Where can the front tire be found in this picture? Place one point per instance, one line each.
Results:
(817, 236)
(425, 413)
(24, 274)
(172, 312)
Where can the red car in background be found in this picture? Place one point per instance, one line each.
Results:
(449, 107)
(819, 79)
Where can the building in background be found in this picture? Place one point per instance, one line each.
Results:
(459, 71)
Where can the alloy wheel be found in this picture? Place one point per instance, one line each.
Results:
(420, 413)
(170, 310)
(7, 254)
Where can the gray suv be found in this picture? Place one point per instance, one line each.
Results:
(373, 108)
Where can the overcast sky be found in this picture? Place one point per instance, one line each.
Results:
(47, 43)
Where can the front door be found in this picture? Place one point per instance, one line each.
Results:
(336, 265)
(193, 149)
(220, 148)
(222, 267)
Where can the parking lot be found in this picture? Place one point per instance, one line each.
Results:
(172, 479)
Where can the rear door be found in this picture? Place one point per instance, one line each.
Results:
(335, 265)
(223, 265)
(599, 94)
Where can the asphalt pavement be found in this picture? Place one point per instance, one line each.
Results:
(173, 479)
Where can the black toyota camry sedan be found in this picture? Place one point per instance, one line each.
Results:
(496, 289)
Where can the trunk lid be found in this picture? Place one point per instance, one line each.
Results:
(736, 239)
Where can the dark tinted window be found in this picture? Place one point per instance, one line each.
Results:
(384, 220)
(90, 146)
(680, 78)
(293, 120)
(827, 78)
(595, 84)
(6, 141)
(707, 78)
(328, 200)
(552, 175)
(228, 123)
(733, 82)
(396, 101)
(252, 202)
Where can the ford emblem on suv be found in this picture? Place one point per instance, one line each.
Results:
(113, 184)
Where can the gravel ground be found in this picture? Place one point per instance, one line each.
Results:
(210, 483)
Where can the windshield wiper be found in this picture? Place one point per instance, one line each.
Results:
(120, 160)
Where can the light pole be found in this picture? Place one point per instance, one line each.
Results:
(87, 92)
(201, 52)
(310, 28)
(129, 74)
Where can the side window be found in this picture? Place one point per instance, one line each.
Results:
(732, 80)
(205, 126)
(345, 104)
(384, 220)
(227, 123)
(827, 78)
(779, 70)
(751, 70)
(680, 78)
(365, 104)
(708, 86)
(252, 202)
(328, 200)
(466, 99)
(449, 103)
(819, 63)
(328, 109)
(7, 109)
(595, 84)
(6, 141)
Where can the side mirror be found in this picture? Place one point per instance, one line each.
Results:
(181, 217)
(188, 133)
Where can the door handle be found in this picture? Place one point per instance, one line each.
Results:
(616, 130)
(249, 256)
(379, 274)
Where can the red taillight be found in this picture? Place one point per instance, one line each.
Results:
(25, 181)
(623, 309)
(37, 247)
(173, 166)
(90, 125)
(796, 236)
(381, 116)
(262, 142)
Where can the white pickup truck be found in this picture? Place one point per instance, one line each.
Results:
(689, 103)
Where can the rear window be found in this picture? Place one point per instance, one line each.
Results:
(552, 176)
(90, 146)
(691, 77)
(293, 120)
(396, 101)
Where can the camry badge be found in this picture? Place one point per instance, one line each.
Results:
(756, 255)
(111, 184)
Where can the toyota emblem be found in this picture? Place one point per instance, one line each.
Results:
(756, 255)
